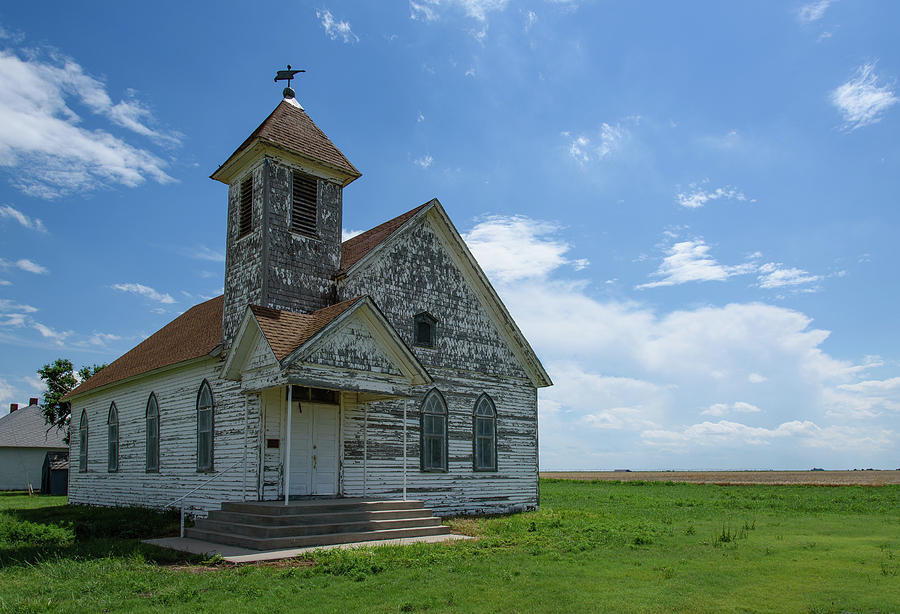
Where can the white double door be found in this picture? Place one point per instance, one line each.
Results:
(315, 435)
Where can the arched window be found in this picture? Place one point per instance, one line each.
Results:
(83, 442)
(204, 428)
(112, 435)
(424, 330)
(434, 432)
(152, 433)
(484, 435)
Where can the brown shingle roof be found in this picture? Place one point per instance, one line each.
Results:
(193, 334)
(352, 250)
(289, 126)
(286, 330)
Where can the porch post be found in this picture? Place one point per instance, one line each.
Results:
(246, 422)
(405, 405)
(287, 448)
(365, 448)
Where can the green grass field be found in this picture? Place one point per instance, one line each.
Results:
(593, 546)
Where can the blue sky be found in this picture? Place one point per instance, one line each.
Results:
(690, 208)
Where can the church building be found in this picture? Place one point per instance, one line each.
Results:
(382, 367)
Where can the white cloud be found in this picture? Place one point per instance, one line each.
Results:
(145, 291)
(24, 264)
(46, 332)
(31, 223)
(42, 139)
(630, 379)
(697, 195)
(795, 432)
(429, 10)
(201, 252)
(814, 11)
(8, 305)
(606, 143)
(776, 275)
(102, 339)
(424, 161)
(336, 29)
(861, 100)
(349, 233)
(723, 409)
(517, 247)
(688, 261)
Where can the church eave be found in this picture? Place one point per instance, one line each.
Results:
(261, 147)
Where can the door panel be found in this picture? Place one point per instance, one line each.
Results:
(314, 449)
(325, 450)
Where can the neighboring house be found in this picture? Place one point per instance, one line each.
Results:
(25, 440)
(385, 366)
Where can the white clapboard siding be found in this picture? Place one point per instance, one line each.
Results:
(460, 490)
(176, 392)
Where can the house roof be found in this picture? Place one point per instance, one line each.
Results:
(352, 250)
(193, 334)
(290, 128)
(25, 428)
(286, 330)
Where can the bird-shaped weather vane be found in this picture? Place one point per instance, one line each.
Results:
(287, 75)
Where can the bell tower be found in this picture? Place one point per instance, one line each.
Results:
(283, 237)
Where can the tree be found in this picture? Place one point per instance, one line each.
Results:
(61, 378)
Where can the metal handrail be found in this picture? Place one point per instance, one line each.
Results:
(190, 492)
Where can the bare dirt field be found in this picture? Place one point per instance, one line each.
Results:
(819, 478)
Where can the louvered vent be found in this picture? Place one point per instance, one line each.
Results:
(303, 207)
(245, 222)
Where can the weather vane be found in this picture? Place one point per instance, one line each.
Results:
(287, 75)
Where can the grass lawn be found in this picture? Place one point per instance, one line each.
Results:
(593, 546)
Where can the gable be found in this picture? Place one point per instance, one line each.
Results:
(352, 334)
(353, 346)
(260, 355)
(425, 266)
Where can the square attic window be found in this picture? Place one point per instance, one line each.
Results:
(424, 330)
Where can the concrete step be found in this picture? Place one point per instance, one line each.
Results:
(302, 530)
(302, 519)
(279, 543)
(316, 506)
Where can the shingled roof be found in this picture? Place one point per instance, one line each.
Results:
(193, 334)
(286, 330)
(289, 127)
(25, 428)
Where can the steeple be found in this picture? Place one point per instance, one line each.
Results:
(283, 238)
